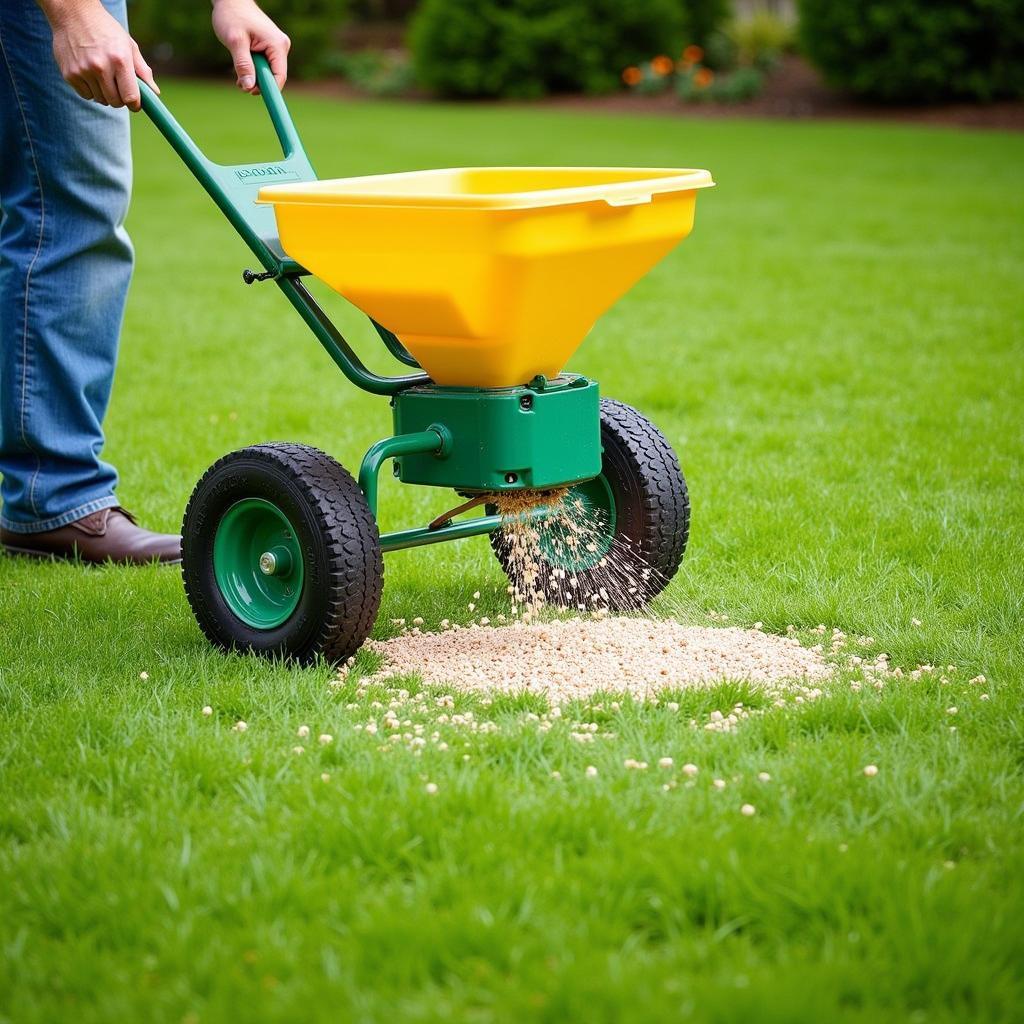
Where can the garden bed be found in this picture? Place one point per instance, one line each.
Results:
(793, 90)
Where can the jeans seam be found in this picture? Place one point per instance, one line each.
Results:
(56, 522)
(28, 282)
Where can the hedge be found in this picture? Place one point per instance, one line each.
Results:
(528, 48)
(918, 50)
(180, 31)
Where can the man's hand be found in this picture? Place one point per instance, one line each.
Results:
(244, 29)
(96, 56)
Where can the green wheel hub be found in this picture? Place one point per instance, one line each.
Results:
(257, 563)
(591, 502)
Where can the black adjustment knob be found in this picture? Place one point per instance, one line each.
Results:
(252, 276)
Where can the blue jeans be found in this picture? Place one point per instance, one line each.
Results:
(65, 264)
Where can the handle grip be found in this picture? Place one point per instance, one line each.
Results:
(282, 121)
(284, 126)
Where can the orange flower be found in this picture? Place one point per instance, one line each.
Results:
(703, 78)
(692, 54)
(632, 76)
(662, 65)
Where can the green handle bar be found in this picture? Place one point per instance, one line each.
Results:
(233, 187)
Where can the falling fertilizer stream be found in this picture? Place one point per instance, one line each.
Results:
(570, 559)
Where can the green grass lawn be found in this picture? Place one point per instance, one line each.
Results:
(837, 353)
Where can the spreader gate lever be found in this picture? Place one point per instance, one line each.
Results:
(252, 276)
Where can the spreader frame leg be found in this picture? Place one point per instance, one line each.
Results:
(434, 440)
(338, 348)
(423, 535)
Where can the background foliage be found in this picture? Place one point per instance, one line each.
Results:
(180, 32)
(918, 50)
(883, 50)
(528, 48)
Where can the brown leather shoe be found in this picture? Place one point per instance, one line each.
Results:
(108, 535)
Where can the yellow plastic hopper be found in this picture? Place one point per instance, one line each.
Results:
(489, 275)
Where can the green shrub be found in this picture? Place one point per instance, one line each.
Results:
(700, 83)
(761, 39)
(918, 50)
(528, 48)
(704, 17)
(378, 72)
(738, 86)
(720, 52)
(181, 32)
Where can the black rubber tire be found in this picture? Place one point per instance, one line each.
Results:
(652, 510)
(344, 568)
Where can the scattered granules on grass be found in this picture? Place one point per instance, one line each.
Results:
(567, 659)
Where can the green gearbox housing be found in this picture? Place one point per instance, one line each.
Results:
(540, 435)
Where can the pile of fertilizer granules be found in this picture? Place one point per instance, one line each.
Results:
(572, 658)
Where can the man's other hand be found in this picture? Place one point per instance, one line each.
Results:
(244, 29)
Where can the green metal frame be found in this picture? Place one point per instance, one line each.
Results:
(234, 187)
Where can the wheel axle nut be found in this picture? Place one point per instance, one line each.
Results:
(276, 562)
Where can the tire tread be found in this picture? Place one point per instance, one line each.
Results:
(664, 493)
(355, 570)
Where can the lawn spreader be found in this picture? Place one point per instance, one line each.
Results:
(483, 281)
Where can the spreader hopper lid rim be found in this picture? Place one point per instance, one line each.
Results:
(622, 186)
